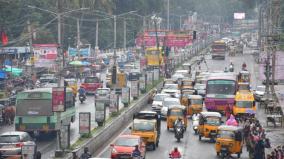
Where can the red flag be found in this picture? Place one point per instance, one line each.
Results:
(4, 38)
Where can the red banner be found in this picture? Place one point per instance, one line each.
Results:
(58, 99)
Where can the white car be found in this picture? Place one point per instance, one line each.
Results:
(158, 101)
(168, 102)
(259, 92)
(171, 89)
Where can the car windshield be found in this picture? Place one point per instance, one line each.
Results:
(159, 97)
(261, 89)
(199, 86)
(196, 101)
(91, 80)
(9, 138)
(244, 104)
(187, 83)
(171, 86)
(226, 134)
(129, 142)
(213, 121)
(143, 126)
(102, 91)
(169, 103)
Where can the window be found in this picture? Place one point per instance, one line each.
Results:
(224, 87)
(213, 121)
(244, 104)
(129, 142)
(34, 107)
(226, 134)
(143, 126)
(92, 80)
(9, 138)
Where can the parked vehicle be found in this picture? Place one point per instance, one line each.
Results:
(259, 92)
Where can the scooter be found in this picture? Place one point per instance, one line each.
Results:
(82, 98)
(179, 132)
(195, 124)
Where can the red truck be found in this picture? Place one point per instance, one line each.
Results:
(91, 84)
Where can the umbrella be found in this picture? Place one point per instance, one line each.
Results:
(79, 63)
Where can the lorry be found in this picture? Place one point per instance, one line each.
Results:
(154, 57)
(147, 124)
(218, 49)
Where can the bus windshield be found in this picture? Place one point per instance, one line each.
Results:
(244, 104)
(34, 107)
(223, 87)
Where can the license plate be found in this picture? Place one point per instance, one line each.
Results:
(124, 156)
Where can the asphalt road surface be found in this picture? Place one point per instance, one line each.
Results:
(190, 146)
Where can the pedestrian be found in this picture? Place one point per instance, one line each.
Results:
(259, 152)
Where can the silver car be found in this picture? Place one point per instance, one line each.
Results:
(103, 94)
(11, 142)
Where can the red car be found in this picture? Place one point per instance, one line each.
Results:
(91, 84)
(124, 146)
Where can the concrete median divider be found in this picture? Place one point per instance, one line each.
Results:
(111, 129)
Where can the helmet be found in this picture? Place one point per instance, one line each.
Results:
(136, 146)
(179, 118)
(86, 149)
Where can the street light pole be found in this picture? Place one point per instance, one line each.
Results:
(78, 38)
(124, 36)
(114, 71)
(168, 16)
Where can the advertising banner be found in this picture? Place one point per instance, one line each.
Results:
(100, 111)
(156, 74)
(58, 99)
(125, 97)
(84, 122)
(85, 52)
(45, 51)
(65, 136)
(142, 83)
(134, 89)
(149, 77)
(113, 102)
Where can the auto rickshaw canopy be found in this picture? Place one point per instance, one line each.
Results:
(230, 128)
(195, 97)
(211, 114)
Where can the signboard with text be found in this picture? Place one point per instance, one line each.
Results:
(84, 122)
(134, 88)
(125, 97)
(58, 99)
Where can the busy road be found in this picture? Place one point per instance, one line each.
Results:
(190, 146)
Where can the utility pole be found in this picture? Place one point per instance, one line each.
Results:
(59, 51)
(275, 25)
(124, 36)
(97, 39)
(31, 45)
(180, 22)
(78, 38)
(114, 71)
(168, 15)
(267, 32)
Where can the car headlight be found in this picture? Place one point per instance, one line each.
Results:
(113, 150)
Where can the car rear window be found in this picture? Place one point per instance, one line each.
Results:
(92, 80)
(9, 138)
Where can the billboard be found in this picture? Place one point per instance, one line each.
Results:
(239, 15)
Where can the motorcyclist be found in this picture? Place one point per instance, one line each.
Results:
(82, 91)
(179, 123)
(175, 153)
(86, 154)
(136, 152)
(244, 66)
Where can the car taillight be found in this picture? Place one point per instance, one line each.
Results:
(19, 144)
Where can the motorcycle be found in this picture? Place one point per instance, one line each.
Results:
(82, 98)
(170, 156)
(195, 124)
(179, 129)
(231, 68)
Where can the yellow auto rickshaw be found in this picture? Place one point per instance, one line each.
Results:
(72, 83)
(195, 104)
(229, 141)
(175, 112)
(244, 76)
(184, 96)
(208, 124)
(186, 84)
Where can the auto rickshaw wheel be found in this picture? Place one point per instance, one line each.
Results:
(157, 144)
(168, 128)
(239, 155)
(218, 153)
(199, 137)
(154, 146)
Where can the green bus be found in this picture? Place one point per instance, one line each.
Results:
(34, 111)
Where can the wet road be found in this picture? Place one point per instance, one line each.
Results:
(190, 146)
